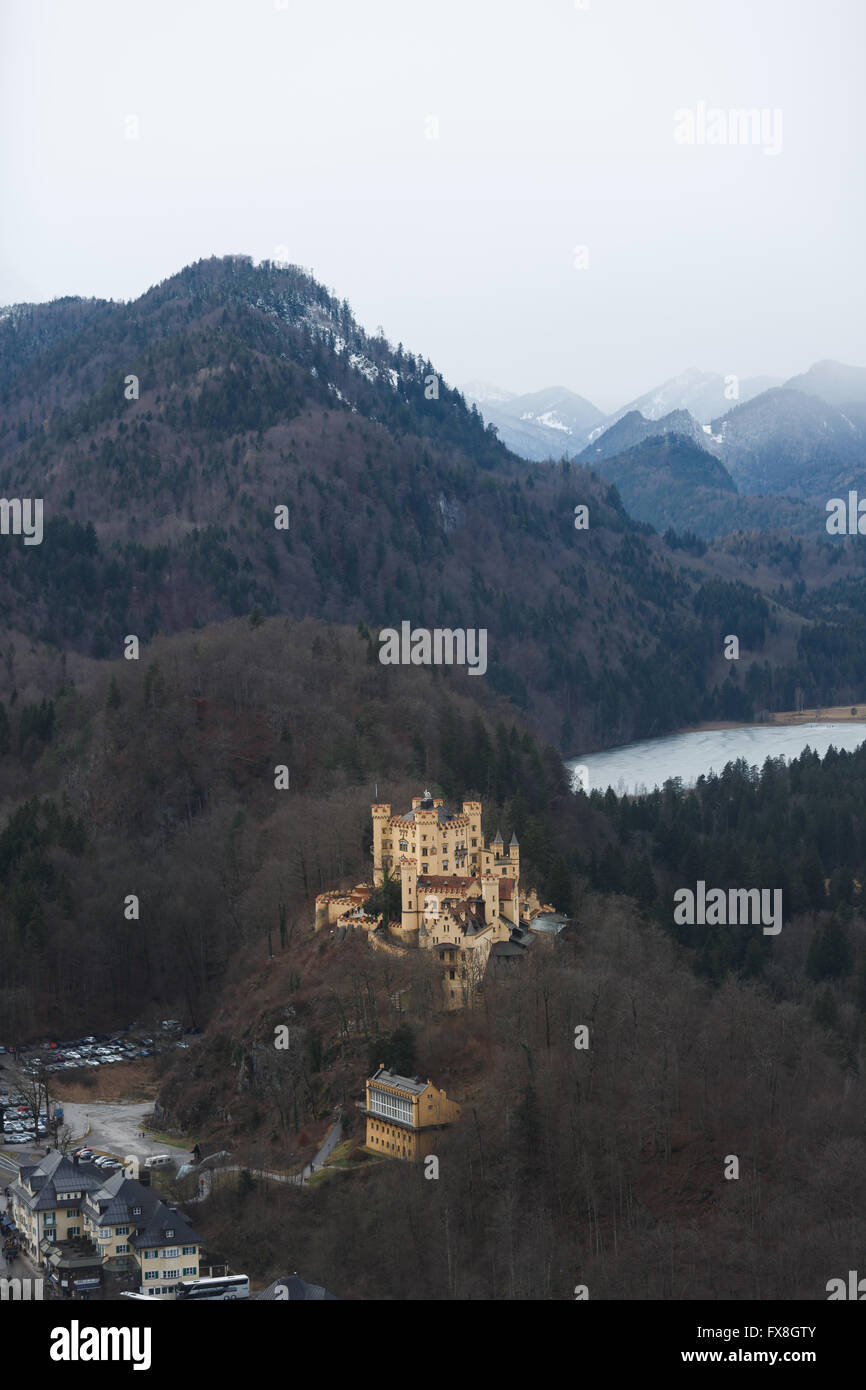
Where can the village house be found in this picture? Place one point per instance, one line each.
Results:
(90, 1232)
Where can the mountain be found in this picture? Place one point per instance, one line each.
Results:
(670, 481)
(546, 424)
(786, 441)
(258, 389)
(633, 428)
(833, 382)
(485, 393)
(703, 394)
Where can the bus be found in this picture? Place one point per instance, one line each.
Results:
(230, 1286)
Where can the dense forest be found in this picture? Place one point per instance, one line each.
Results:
(157, 778)
(601, 1167)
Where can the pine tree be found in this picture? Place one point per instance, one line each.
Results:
(830, 954)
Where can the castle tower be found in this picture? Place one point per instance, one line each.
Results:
(472, 809)
(490, 894)
(410, 917)
(381, 813)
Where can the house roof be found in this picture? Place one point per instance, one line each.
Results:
(442, 815)
(56, 1172)
(507, 948)
(295, 1290)
(117, 1197)
(159, 1223)
(403, 1083)
(447, 883)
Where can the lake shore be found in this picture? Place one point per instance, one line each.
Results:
(833, 714)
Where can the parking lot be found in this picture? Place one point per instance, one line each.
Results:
(18, 1122)
(115, 1128)
(74, 1058)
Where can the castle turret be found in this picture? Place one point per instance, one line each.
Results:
(381, 813)
(490, 894)
(472, 809)
(410, 916)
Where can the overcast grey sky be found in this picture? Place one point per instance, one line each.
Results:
(307, 126)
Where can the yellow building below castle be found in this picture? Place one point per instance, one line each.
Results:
(403, 1115)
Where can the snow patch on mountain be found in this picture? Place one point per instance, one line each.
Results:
(362, 364)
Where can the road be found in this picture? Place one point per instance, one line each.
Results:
(331, 1140)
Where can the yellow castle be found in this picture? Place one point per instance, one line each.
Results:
(460, 898)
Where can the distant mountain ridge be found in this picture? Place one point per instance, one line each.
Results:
(703, 394)
(538, 425)
(785, 441)
(673, 483)
(634, 428)
(805, 437)
(833, 382)
(802, 439)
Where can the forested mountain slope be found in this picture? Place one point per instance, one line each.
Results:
(257, 390)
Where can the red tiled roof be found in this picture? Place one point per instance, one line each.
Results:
(451, 882)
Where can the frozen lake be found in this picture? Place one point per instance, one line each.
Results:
(640, 767)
